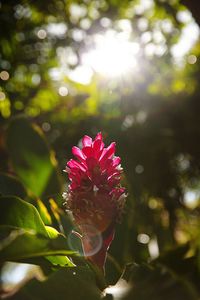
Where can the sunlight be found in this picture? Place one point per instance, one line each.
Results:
(14, 273)
(113, 55)
(119, 290)
(117, 52)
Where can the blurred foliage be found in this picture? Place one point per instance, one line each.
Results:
(33, 162)
(50, 98)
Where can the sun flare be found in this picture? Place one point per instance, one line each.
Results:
(113, 54)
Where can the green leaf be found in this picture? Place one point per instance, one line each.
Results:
(43, 211)
(52, 232)
(18, 213)
(19, 244)
(32, 160)
(10, 185)
(56, 260)
(66, 283)
(25, 235)
(60, 260)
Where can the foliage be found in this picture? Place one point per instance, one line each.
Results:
(152, 112)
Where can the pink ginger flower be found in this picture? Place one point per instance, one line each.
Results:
(95, 196)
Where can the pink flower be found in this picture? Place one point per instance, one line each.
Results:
(95, 196)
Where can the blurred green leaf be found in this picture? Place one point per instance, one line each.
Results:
(57, 260)
(19, 245)
(32, 160)
(18, 213)
(71, 283)
(24, 234)
(10, 185)
(60, 260)
(55, 209)
(52, 232)
(43, 212)
(146, 282)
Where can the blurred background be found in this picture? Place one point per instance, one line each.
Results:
(129, 69)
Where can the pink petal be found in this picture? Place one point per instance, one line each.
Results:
(116, 161)
(86, 141)
(113, 181)
(67, 170)
(78, 153)
(111, 171)
(72, 163)
(106, 164)
(77, 173)
(98, 136)
(116, 174)
(75, 164)
(73, 186)
(108, 152)
(97, 147)
(88, 151)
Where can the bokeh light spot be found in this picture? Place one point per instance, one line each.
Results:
(139, 169)
(143, 238)
(63, 91)
(4, 75)
(2, 96)
(46, 126)
(192, 59)
(41, 34)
